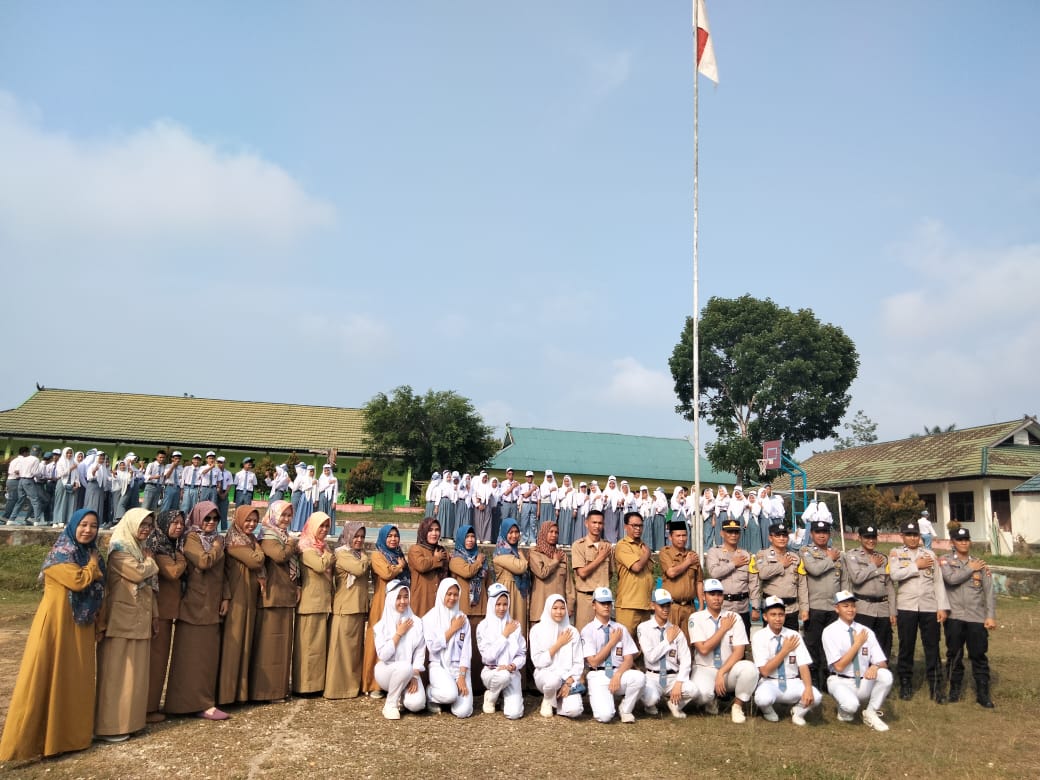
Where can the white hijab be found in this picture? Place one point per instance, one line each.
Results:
(387, 626)
(494, 625)
(435, 625)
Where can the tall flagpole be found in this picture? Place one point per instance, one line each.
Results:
(696, 497)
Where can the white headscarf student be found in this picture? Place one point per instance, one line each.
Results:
(401, 649)
(64, 490)
(547, 499)
(450, 645)
(433, 493)
(504, 651)
(557, 659)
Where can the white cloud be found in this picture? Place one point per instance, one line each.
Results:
(157, 182)
(630, 383)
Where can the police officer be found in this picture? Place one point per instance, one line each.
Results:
(728, 564)
(875, 594)
(920, 607)
(776, 573)
(824, 570)
(973, 614)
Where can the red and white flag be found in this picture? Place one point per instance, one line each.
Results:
(706, 65)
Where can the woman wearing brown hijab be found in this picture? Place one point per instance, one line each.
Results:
(166, 545)
(311, 639)
(428, 562)
(349, 611)
(244, 574)
(549, 572)
(192, 686)
(273, 636)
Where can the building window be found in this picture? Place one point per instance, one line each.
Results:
(930, 505)
(962, 506)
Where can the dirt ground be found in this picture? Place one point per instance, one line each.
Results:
(350, 738)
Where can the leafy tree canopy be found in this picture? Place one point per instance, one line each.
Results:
(363, 481)
(861, 430)
(766, 372)
(439, 429)
(931, 431)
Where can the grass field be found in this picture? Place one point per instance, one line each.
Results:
(320, 738)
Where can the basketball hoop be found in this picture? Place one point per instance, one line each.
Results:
(762, 462)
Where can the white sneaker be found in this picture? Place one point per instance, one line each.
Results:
(770, 714)
(674, 709)
(489, 704)
(736, 713)
(433, 709)
(797, 718)
(712, 707)
(873, 719)
(652, 709)
(391, 713)
(628, 717)
(844, 717)
(546, 710)
(377, 694)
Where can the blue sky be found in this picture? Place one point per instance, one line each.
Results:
(317, 201)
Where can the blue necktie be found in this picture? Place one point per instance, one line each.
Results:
(716, 656)
(608, 664)
(855, 658)
(662, 674)
(781, 671)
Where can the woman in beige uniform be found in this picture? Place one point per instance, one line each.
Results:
(166, 545)
(512, 570)
(273, 635)
(388, 563)
(311, 639)
(349, 611)
(428, 562)
(245, 574)
(192, 687)
(127, 621)
(549, 572)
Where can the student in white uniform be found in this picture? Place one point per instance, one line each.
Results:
(859, 671)
(719, 639)
(610, 653)
(667, 659)
(245, 484)
(503, 651)
(557, 660)
(401, 649)
(450, 646)
(783, 663)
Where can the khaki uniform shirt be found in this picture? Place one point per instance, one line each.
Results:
(633, 588)
(718, 563)
(917, 590)
(871, 581)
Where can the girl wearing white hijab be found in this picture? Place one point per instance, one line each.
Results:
(449, 642)
(328, 490)
(504, 652)
(566, 510)
(432, 492)
(65, 489)
(613, 499)
(752, 535)
(547, 499)
(401, 649)
(657, 518)
(557, 659)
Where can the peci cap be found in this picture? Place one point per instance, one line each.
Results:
(733, 525)
(910, 529)
(661, 597)
(868, 531)
(843, 595)
(773, 601)
(961, 534)
(778, 529)
(820, 526)
(713, 586)
(601, 595)
(676, 525)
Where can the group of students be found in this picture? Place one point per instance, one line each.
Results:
(258, 613)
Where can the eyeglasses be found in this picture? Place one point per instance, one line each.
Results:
(635, 525)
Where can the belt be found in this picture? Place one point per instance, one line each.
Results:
(585, 592)
(871, 599)
(658, 672)
(596, 668)
(788, 600)
(843, 676)
(735, 596)
(683, 603)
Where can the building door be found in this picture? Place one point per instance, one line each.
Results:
(1001, 502)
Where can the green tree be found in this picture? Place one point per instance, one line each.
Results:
(863, 505)
(766, 372)
(904, 507)
(363, 481)
(440, 428)
(934, 430)
(861, 430)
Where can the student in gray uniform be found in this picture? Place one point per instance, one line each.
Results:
(825, 574)
(870, 583)
(973, 614)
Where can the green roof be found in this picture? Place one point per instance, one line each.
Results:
(1008, 449)
(577, 452)
(84, 415)
(1029, 486)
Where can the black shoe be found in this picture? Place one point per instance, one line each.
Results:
(906, 691)
(982, 695)
(939, 697)
(955, 693)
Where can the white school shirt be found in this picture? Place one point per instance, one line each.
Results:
(593, 640)
(654, 646)
(175, 475)
(763, 648)
(189, 476)
(565, 497)
(836, 642)
(329, 486)
(547, 492)
(702, 626)
(509, 490)
(153, 472)
(244, 481)
(534, 496)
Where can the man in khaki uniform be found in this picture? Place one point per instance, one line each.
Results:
(920, 606)
(728, 564)
(682, 578)
(872, 587)
(775, 572)
(590, 562)
(635, 575)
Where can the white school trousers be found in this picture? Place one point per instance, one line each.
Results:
(444, 689)
(850, 698)
(394, 678)
(549, 683)
(740, 681)
(602, 700)
(507, 684)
